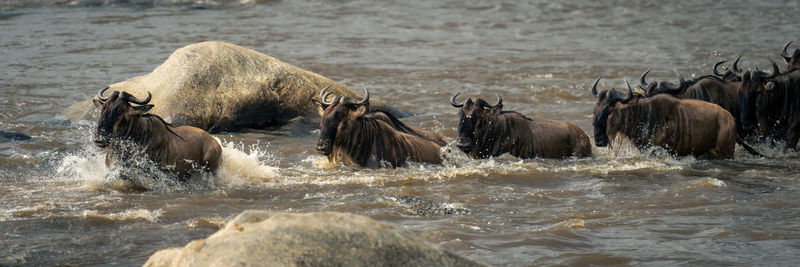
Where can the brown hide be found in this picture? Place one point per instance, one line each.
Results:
(487, 131)
(366, 141)
(683, 127)
(528, 138)
(181, 150)
(352, 135)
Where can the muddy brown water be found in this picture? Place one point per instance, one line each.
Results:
(621, 207)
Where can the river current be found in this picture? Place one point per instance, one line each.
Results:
(620, 207)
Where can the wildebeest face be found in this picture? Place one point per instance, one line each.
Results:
(337, 113)
(333, 118)
(474, 119)
(793, 59)
(112, 110)
(607, 101)
(468, 117)
(753, 86)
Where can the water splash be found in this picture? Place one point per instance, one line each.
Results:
(128, 215)
(237, 168)
(240, 168)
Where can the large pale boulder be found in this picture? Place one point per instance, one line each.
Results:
(263, 238)
(224, 87)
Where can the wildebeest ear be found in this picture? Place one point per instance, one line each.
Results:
(359, 111)
(496, 109)
(144, 108)
(98, 103)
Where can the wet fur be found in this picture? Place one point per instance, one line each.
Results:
(372, 138)
(774, 112)
(177, 149)
(713, 90)
(682, 127)
(513, 133)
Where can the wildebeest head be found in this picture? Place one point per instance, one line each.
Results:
(474, 119)
(607, 101)
(754, 85)
(727, 75)
(113, 110)
(336, 112)
(654, 88)
(792, 60)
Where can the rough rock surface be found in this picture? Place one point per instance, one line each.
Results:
(263, 238)
(224, 87)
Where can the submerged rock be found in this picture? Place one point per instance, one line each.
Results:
(263, 238)
(424, 207)
(224, 87)
(6, 136)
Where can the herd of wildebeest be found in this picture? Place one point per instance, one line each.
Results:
(704, 117)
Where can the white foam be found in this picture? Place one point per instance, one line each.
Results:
(239, 168)
(128, 215)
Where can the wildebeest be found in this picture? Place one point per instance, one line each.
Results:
(770, 104)
(486, 130)
(681, 126)
(128, 129)
(707, 88)
(792, 60)
(728, 75)
(352, 135)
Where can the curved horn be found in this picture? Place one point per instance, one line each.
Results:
(100, 95)
(366, 98)
(453, 101)
(499, 100)
(716, 72)
(682, 82)
(674, 89)
(323, 94)
(736, 69)
(135, 100)
(630, 92)
(775, 70)
(785, 53)
(325, 97)
(594, 87)
(643, 84)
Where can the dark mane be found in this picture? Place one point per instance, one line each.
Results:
(399, 125)
(370, 138)
(167, 125)
(514, 113)
(394, 122)
(695, 80)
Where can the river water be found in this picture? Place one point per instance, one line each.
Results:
(621, 207)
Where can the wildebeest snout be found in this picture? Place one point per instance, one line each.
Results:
(101, 140)
(324, 146)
